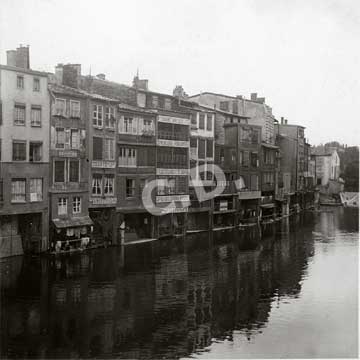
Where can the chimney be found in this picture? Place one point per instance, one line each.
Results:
(285, 121)
(23, 57)
(19, 57)
(282, 120)
(140, 83)
(101, 76)
(59, 73)
(253, 96)
(11, 57)
(71, 75)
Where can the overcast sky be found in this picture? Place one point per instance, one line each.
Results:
(302, 56)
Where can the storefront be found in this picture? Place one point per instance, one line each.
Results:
(71, 234)
(135, 226)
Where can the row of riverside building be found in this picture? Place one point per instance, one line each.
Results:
(76, 152)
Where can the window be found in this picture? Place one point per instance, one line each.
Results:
(18, 192)
(254, 159)
(254, 182)
(209, 122)
(147, 127)
(19, 151)
(202, 121)
(127, 126)
(60, 107)
(76, 205)
(110, 117)
(155, 101)
(59, 171)
(75, 139)
(35, 118)
(193, 142)
(97, 185)
(127, 157)
(35, 151)
(109, 151)
(222, 155)
(97, 148)
(130, 187)
(268, 178)
(109, 185)
(74, 109)
(19, 115)
(193, 119)
(60, 138)
(269, 156)
(235, 107)
(224, 105)
(36, 190)
(201, 149)
(74, 171)
(20, 82)
(36, 84)
(62, 206)
(167, 104)
(209, 148)
(245, 158)
(98, 115)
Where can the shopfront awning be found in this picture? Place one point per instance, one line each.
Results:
(72, 222)
(267, 206)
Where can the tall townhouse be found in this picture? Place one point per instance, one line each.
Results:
(232, 154)
(24, 156)
(245, 140)
(69, 168)
(294, 153)
(99, 145)
(272, 198)
(202, 156)
(172, 158)
(136, 167)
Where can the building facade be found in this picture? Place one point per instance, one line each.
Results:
(68, 168)
(24, 161)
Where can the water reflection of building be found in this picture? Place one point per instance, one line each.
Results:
(165, 302)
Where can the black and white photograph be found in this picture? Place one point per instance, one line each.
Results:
(179, 179)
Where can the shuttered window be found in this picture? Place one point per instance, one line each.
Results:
(97, 148)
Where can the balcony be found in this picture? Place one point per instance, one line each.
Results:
(103, 200)
(173, 143)
(249, 194)
(160, 170)
(103, 164)
(169, 198)
(70, 187)
(173, 120)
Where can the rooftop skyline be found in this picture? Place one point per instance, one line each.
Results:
(302, 56)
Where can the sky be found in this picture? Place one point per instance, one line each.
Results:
(303, 56)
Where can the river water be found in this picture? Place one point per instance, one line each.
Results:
(292, 293)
